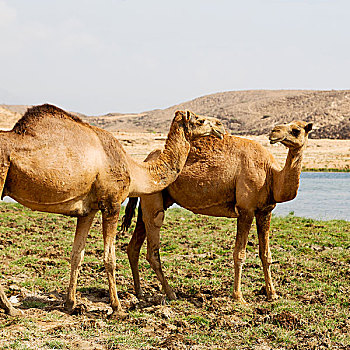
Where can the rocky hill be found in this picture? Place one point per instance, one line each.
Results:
(10, 114)
(243, 112)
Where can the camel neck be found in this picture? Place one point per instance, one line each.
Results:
(286, 181)
(155, 175)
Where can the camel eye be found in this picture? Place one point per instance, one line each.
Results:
(295, 132)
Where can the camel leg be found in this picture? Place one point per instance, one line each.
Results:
(263, 220)
(6, 305)
(109, 227)
(153, 217)
(4, 302)
(134, 247)
(81, 232)
(244, 223)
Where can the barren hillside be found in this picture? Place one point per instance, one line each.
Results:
(243, 112)
(10, 114)
(251, 112)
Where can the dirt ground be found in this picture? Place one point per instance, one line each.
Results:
(320, 153)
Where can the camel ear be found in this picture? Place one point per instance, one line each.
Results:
(308, 127)
(180, 116)
(190, 117)
(179, 113)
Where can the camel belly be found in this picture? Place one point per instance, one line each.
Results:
(202, 196)
(78, 206)
(48, 181)
(62, 197)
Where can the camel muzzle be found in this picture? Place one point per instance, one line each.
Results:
(219, 132)
(274, 139)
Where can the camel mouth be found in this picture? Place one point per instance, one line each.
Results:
(275, 140)
(218, 133)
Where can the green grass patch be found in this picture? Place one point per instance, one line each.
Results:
(311, 273)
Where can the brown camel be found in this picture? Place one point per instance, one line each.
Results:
(233, 177)
(52, 161)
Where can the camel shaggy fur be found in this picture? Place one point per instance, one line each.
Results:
(233, 177)
(52, 161)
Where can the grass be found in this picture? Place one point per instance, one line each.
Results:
(327, 170)
(311, 273)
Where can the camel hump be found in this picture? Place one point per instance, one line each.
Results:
(36, 114)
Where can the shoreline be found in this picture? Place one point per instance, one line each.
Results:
(325, 170)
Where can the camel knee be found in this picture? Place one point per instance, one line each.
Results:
(154, 220)
(77, 259)
(110, 264)
(153, 258)
(265, 257)
(239, 257)
(159, 218)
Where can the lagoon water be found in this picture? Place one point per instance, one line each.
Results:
(321, 195)
(324, 196)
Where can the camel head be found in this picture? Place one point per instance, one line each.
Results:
(292, 135)
(197, 125)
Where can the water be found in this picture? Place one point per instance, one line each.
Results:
(323, 196)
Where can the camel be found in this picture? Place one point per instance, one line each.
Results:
(52, 161)
(233, 177)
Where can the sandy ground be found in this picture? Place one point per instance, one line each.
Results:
(320, 154)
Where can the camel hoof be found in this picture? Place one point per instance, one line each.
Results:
(80, 309)
(272, 297)
(171, 295)
(239, 299)
(168, 291)
(69, 306)
(15, 312)
(139, 294)
(118, 315)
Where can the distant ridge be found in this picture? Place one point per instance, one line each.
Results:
(252, 112)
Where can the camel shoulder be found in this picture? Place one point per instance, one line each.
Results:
(110, 143)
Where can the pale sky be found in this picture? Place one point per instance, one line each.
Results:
(105, 56)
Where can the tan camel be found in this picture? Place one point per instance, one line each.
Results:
(52, 161)
(233, 177)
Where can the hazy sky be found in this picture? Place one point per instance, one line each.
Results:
(105, 56)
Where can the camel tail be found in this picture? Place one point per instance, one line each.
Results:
(129, 213)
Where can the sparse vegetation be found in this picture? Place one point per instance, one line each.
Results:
(327, 170)
(311, 273)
